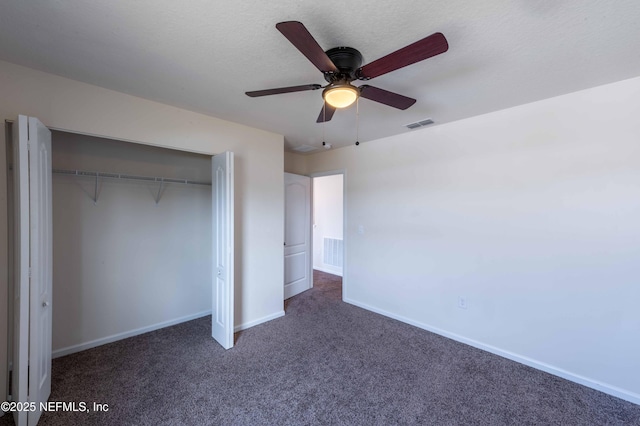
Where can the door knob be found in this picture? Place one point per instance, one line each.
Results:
(45, 304)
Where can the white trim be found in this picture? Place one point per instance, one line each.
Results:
(253, 323)
(327, 173)
(594, 384)
(115, 337)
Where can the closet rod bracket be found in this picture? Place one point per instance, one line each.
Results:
(159, 191)
(95, 190)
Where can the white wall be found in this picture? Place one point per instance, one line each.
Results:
(327, 218)
(69, 105)
(295, 163)
(126, 264)
(530, 214)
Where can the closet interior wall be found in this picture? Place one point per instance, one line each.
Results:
(126, 264)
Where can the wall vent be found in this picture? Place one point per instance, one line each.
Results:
(332, 252)
(420, 123)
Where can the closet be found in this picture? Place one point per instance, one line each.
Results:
(111, 239)
(132, 239)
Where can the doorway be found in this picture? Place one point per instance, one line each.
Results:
(314, 240)
(328, 226)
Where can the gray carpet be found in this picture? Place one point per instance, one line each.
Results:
(325, 362)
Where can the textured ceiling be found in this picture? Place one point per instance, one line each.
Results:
(202, 55)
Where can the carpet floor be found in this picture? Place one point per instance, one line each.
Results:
(324, 363)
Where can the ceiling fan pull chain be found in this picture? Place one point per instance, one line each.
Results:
(358, 121)
(324, 120)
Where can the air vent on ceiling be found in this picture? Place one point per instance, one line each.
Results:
(420, 123)
(304, 148)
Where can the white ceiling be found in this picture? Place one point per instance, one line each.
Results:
(202, 55)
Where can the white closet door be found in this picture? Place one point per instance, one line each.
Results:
(32, 358)
(223, 243)
(297, 234)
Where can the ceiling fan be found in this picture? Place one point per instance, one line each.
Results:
(342, 65)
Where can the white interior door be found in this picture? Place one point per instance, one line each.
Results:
(32, 359)
(223, 243)
(20, 378)
(297, 234)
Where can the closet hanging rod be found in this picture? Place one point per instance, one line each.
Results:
(128, 177)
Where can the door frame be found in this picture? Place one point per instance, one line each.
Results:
(6, 263)
(345, 263)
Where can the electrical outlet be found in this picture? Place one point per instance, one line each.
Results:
(462, 303)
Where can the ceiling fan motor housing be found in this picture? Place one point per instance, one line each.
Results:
(347, 60)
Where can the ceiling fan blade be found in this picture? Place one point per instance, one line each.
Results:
(326, 113)
(280, 90)
(385, 97)
(432, 45)
(302, 39)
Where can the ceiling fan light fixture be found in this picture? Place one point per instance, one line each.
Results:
(340, 96)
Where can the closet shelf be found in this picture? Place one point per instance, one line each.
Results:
(97, 175)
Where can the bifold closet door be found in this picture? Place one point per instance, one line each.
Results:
(33, 256)
(223, 246)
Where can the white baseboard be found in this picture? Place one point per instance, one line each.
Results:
(594, 384)
(114, 337)
(328, 270)
(258, 321)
